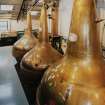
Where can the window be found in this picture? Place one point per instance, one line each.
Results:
(6, 7)
(3, 26)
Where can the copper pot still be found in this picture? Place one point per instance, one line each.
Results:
(42, 55)
(25, 43)
(79, 78)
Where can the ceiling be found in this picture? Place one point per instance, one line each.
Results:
(28, 4)
(13, 13)
(19, 10)
(20, 7)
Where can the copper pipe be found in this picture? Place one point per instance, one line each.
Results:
(29, 21)
(43, 25)
(54, 24)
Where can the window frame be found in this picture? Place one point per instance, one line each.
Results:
(6, 26)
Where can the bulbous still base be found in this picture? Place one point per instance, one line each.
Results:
(22, 46)
(18, 54)
(73, 82)
(40, 57)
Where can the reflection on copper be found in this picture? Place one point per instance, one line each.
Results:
(26, 43)
(79, 78)
(42, 55)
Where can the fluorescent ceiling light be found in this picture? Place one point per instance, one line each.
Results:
(40, 1)
(35, 13)
(6, 7)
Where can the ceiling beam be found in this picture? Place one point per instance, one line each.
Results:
(20, 10)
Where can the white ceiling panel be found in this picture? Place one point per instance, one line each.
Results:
(11, 2)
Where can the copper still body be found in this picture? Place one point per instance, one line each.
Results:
(26, 43)
(42, 55)
(79, 78)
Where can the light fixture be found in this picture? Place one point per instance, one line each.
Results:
(6, 7)
(40, 1)
(35, 13)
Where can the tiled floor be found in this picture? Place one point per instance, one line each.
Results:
(11, 92)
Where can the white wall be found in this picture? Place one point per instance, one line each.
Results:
(13, 25)
(21, 25)
(101, 25)
(65, 11)
(7, 21)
